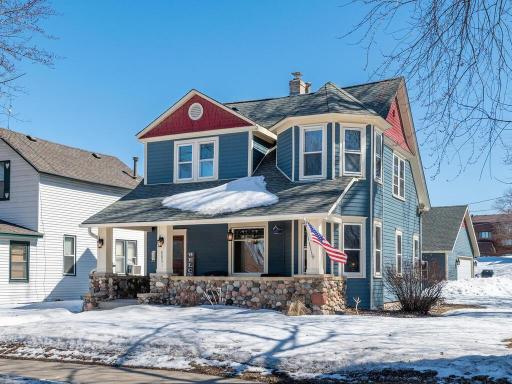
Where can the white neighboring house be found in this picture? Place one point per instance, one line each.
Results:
(46, 191)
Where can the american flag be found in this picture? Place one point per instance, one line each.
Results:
(335, 254)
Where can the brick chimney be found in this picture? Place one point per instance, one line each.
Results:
(297, 85)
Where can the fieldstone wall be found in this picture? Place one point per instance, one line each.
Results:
(109, 286)
(321, 294)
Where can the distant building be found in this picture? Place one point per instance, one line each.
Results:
(449, 242)
(494, 234)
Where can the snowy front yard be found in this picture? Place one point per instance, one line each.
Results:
(466, 342)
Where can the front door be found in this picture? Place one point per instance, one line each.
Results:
(178, 255)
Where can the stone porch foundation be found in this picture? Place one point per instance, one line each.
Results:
(321, 294)
(108, 286)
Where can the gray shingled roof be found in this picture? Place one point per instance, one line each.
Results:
(377, 96)
(74, 163)
(440, 227)
(328, 99)
(7, 228)
(144, 204)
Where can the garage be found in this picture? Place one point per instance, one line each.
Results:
(464, 268)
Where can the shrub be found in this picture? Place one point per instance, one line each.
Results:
(415, 291)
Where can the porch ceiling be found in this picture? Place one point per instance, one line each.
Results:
(144, 204)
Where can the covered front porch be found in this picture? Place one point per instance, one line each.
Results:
(250, 263)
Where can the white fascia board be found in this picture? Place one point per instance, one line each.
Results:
(342, 118)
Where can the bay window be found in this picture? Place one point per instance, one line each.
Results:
(248, 250)
(313, 152)
(352, 151)
(398, 177)
(196, 160)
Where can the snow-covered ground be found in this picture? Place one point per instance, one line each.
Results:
(465, 342)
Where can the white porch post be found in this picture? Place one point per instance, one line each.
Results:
(316, 255)
(105, 261)
(164, 254)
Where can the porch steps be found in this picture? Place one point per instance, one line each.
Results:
(105, 305)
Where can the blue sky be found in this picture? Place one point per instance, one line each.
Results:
(124, 62)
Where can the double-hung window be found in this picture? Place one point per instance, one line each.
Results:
(313, 157)
(378, 154)
(416, 250)
(352, 151)
(398, 177)
(196, 160)
(126, 256)
(352, 243)
(5, 176)
(69, 260)
(19, 261)
(398, 247)
(377, 248)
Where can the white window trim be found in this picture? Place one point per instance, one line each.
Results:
(195, 143)
(231, 263)
(401, 163)
(398, 232)
(377, 223)
(415, 238)
(303, 129)
(64, 254)
(362, 151)
(378, 179)
(362, 253)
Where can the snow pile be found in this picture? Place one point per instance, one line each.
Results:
(15, 314)
(244, 193)
(501, 265)
(466, 343)
(479, 290)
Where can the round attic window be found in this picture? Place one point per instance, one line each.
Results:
(195, 111)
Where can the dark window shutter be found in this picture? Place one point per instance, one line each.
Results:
(7, 180)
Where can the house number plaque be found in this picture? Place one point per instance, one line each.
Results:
(189, 266)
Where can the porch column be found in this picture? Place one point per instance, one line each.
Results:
(105, 261)
(164, 253)
(316, 256)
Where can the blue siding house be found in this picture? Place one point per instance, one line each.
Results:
(344, 159)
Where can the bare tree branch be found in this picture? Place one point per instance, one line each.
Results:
(457, 55)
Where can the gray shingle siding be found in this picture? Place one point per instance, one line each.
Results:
(284, 152)
(160, 162)
(296, 131)
(329, 150)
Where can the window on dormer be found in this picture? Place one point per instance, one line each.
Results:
(196, 160)
(312, 162)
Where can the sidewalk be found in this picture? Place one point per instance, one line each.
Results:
(29, 371)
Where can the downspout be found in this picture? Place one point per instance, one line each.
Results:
(370, 224)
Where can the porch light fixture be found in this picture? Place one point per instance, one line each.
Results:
(230, 235)
(160, 242)
(457, 262)
(475, 263)
(100, 243)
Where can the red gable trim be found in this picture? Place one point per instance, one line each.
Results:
(214, 117)
(396, 132)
